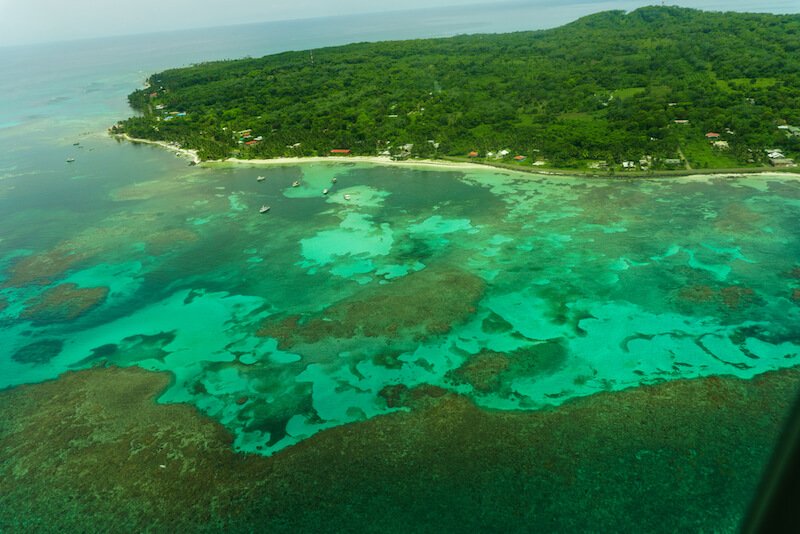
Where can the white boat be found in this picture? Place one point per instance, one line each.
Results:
(264, 209)
(70, 160)
(347, 197)
(324, 191)
(261, 178)
(333, 180)
(295, 183)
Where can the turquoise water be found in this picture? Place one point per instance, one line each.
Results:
(517, 291)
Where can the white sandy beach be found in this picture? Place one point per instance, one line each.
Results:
(191, 154)
(384, 160)
(374, 160)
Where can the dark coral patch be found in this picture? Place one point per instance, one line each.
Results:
(725, 300)
(482, 371)
(490, 371)
(64, 302)
(42, 268)
(40, 352)
(421, 305)
(93, 447)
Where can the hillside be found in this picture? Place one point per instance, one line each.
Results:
(611, 87)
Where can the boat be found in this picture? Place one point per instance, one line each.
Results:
(347, 197)
(324, 191)
(295, 183)
(264, 209)
(70, 160)
(261, 178)
(333, 180)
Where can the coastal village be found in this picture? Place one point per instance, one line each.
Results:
(634, 115)
(717, 143)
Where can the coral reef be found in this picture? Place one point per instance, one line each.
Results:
(490, 371)
(93, 450)
(163, 242)
(723, 299)
(425, 303)
(38, 352)
(43, 268)
(64, 302)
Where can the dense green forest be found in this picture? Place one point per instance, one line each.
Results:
(645, 86)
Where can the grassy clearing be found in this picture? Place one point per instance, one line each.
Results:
(702, 155)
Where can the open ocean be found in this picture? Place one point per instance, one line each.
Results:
(448, 350)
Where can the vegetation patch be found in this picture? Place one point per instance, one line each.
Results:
(615, 87)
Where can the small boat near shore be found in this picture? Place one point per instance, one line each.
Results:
(261, 178)
(264, 209)
(333, 180)
(347, 197)
(296, 183)
(70, 160)
(324, 191)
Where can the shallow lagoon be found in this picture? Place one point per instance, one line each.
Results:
(517, 291)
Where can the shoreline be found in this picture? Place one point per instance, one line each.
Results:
(792, 173)
(373, 160)
(185, 152)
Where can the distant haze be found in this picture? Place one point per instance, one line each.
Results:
(36, 21)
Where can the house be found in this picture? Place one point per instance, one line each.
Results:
(251, 143)
(712, 135)
(503, 153)
(681, 121)
(519, 158)
(672, 162)
(781, 162)
(472, 154)
(628, 165)
(790, 130)
(721, 145)
(774, 153)
(343, 151)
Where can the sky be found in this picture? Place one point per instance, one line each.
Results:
(34, 21)
(30, 21)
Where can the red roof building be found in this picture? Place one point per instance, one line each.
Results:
(340, 151)
(519, 158)
(473, 154)
(712, 135)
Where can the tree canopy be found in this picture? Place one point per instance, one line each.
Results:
(613, 86)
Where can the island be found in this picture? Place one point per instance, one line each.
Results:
(655, 90)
